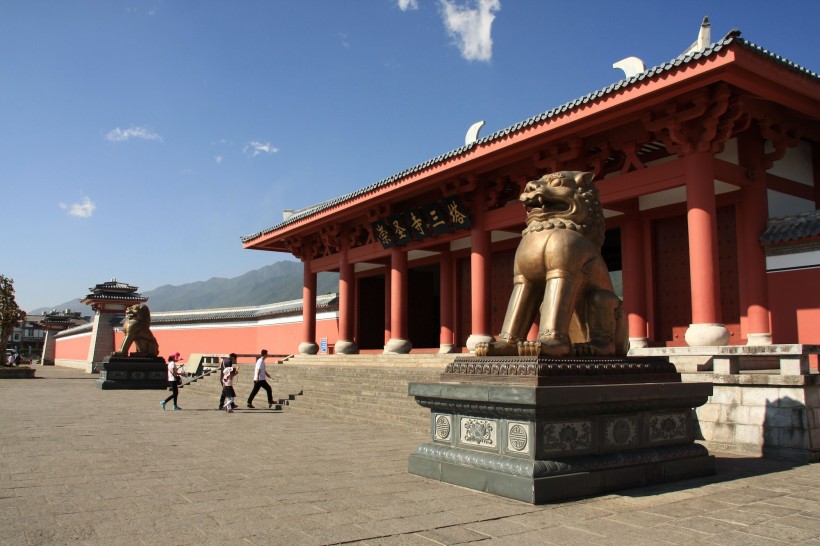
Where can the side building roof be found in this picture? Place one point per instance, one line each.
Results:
(324, 303)
(788, 229)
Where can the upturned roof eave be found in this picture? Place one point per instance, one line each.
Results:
(662, 80)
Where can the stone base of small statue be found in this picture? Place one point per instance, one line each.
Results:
(539, 430)
(133, 372)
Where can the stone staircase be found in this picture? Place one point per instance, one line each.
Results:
(365, 389)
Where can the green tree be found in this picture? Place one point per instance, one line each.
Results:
(10, 313)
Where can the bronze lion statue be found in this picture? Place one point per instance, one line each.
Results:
(136, 330)
(559, 271)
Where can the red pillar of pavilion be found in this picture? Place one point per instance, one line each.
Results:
(398, 342)
(634, 279)
(706, 328)
(345, 343)
(752, 217)
(447, 319)
(308, 345)
(479, 273)
(388, 296)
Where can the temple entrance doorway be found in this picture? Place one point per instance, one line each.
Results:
(370, 305)
(423, 310)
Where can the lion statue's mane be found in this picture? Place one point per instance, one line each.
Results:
(559, 272)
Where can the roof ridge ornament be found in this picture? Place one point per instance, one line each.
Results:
(472, 132)
(632, 66)
(704, 38)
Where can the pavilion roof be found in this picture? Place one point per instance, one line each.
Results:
(732, 39)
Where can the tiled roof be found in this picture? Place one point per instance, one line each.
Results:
(292, 307)
(731, 38)
(791, 228)
(118, 296)
(115, 285)
(88, 327)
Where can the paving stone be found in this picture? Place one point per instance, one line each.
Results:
(499, 527)
(566, 534)
(707, 525)
(398, 540)
(110, 467)
(738, 538)
(641, 518)
(793, 535)
(457, 534)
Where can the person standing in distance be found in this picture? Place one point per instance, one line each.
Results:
(227, 362)
(173, 381)
(227, 387)
(259, 380)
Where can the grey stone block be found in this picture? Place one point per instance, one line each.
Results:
(474, 478)
(682, 469)
(567, 486)
(423, 466)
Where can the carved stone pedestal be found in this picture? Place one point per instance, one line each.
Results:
(132, 372)
(541, 430)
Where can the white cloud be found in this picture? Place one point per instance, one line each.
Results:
(84, 209)
(256, 148)
(407, 5)
(343, 38)
(218, 158)
(123, 135)
(470, 25)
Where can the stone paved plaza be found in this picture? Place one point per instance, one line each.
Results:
(79, 465)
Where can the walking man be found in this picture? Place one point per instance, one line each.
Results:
(259, 380)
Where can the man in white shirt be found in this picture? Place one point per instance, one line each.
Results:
(259, 381)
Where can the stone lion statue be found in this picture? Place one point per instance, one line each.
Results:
(136, 330)
(559, 271)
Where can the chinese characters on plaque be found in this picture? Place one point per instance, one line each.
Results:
(423, 222)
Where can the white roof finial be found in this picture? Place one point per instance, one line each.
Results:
(632, 66)
(704, 38)
(472, 132)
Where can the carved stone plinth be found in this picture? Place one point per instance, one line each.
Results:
(540, 430)
(132, 372)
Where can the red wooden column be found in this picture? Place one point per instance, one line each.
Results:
(345, 343)
(479, 273)
(308, 345)
(634, 279)
(388, 296)
(706, 328)
(398, 342)
(753, 213)
(446, 307)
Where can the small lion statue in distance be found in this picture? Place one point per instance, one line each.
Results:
(560, 272)
(137, 331)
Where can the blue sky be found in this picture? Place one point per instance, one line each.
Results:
(141, 139)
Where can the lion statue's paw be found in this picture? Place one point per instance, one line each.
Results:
(529, 348)
(496, 348)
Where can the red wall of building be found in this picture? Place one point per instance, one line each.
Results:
(73, 348)
(278, 339)
(794, 298)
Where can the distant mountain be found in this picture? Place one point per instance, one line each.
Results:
(280, 281)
